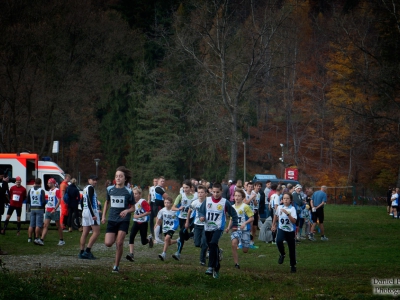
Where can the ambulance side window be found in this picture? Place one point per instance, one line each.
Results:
(46, 178)
(7, 169)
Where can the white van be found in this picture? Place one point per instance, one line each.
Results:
(28, 167)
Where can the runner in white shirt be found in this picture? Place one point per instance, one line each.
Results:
(286, 217)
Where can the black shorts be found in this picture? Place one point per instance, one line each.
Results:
(114, 227)
(11, 210)
(255, 221)
(393, 206)
(319, 214)
(170, 233)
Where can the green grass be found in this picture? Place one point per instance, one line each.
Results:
(363, 244)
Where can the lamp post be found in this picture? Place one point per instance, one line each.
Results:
(282, 159)
(244, 160)
(97, 160)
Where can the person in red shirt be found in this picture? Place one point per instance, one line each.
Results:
(17, 197)
(64, 206)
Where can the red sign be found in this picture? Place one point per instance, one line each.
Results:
(291, 173)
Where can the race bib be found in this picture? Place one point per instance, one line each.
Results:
(117, 202)
(15, 198)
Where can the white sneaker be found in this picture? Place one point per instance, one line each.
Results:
(29, 240)
(39, 242)
(161, 256)
(324, 238)
(160, 242)
(61, 243)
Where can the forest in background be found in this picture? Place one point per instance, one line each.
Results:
(175, 88)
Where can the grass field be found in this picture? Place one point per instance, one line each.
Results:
(363, 244)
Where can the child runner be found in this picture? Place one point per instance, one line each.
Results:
(213, 213)
(395, 203)
(286, 217)
(90, 218)
(52, 212)
(120, 201)
(140, 222)
(182, 205)
(199, 237)
(169, 221)
(251, 200)
(245, 219)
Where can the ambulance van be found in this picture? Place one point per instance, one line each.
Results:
(28, 166)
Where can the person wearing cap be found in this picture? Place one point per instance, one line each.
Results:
(90, 218)
(17, 197)
(52, 212)
(299, 205)
(64, 206)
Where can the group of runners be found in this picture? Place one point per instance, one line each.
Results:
(199, 212)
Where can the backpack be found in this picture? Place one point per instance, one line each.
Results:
(66, 197)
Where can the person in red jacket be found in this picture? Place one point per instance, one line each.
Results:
(64, 206)
(17, 197)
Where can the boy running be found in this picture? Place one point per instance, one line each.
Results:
(169, 221)
(199, 237)
(245, 219)
(252, 199)
(140, 222)
(213, 212)
(90, 219)
(120, 200)
(182, 205)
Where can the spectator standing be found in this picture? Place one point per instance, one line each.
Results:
(36, 201)
(64, 206)
(73, 204)
(318, 201)
(232, 191)
(17, 197)
(225, 189)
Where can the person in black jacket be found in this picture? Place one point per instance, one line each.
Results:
(4, 192)
(73, 203)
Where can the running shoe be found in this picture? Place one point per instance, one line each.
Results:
(29, 240)
(281, 259)
(130, 257)
(293, 269)
(203, 263)
(115, 269)
(209, 271)
(151, 242)
(65, 229)
(253, 247)
(39, 242)
(215, 274)
(81, 256)
(240, 246)
(159, 241)
(61, 243)
(237, 266)
(311, 238)
(161, 256)
(176, 255)
(88, 255)
(324, 238)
